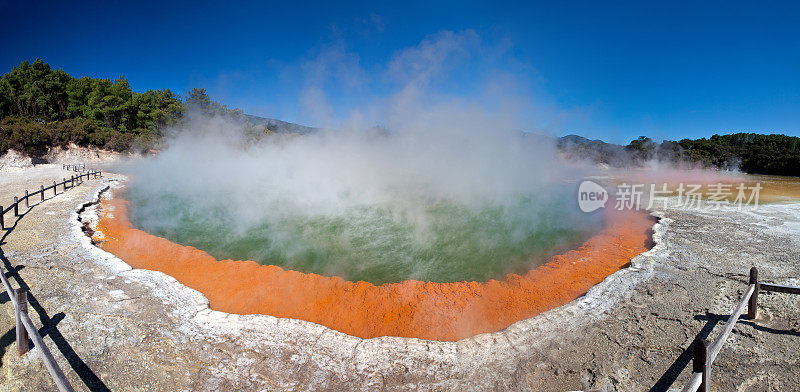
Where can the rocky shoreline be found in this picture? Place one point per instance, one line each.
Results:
(142, 330)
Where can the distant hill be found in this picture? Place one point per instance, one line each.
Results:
(579, 147)
(279, 126)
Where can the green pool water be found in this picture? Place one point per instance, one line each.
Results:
(433, 241)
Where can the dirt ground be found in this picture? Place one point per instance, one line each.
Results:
(115, 328)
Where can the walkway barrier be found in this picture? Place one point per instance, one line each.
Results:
(705, 353)
(19, 298)
(67, 183)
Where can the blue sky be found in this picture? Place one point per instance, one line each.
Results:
(609, 70)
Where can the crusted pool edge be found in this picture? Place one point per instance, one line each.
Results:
(351, 356)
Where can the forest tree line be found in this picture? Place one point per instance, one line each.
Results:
(748, 152)
(41, 108)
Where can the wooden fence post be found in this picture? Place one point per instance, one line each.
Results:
(42, 191)
(27, 200)
(2, 222)
(16, 206)
(699, 364)
(54, 188)
(22, 334)
(752, 306)
(65, 184)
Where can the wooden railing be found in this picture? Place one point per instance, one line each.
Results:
(705, 353)
(19, 298)
(65, 184)
(25, 329)
(74, 167)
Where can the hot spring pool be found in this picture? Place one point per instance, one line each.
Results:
(428, 234)
(411, 308)
(429, 241)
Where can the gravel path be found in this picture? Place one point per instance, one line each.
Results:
(115, 328)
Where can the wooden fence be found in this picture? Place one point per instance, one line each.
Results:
(19, 298)
(705, 353)
(74, 167)
(67, 183)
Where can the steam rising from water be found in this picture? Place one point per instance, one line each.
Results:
(426, 202)
(447, 189)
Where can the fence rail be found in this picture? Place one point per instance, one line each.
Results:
(67, 183)
(705, 353)
(25, 328)
(74, 167)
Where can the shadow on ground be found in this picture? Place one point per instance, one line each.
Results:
(49, 324)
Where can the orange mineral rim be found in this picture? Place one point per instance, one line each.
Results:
(426, 310)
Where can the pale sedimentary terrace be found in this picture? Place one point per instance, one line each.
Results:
(127, 329)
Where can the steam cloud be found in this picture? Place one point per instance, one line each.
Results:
(445, 189)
